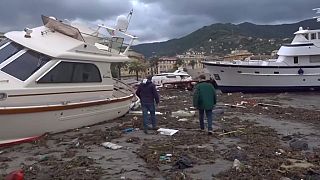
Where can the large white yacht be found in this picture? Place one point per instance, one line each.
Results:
(57, 77)
(297, 68)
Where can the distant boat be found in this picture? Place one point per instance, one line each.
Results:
(57, 77)
(177, 76)
(297, 68)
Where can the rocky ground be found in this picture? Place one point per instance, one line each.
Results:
(256, 136)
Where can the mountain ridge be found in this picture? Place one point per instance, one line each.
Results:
(226, 37)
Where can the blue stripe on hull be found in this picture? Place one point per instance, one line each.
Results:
(262, 89)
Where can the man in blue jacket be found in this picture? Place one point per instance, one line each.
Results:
(148, 97)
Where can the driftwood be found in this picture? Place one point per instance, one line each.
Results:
(231, 132)
(236, 106)
(272, 105)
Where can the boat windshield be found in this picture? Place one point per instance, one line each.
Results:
(25, 65)
(8, 49)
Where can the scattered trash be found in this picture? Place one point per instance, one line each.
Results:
(110, 145)
(231, 132)
(281, 151)
(272, 105)
(298, 144)
(237, 165)
(1, 152)
(201, 146)
(140, 113)
(183, 162)
(134, 140)
(122, 177)
(168, 132)
(183, 120)
(182, 113)
(15, 175)
(166, 157)
(237, 106)
(127, 130)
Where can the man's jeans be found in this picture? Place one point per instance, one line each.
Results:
(209, 117)
(146, 107)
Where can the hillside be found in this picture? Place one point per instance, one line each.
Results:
(220, 39)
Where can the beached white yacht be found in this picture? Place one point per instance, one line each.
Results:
(178, 75)
(57, 77)
(297, 68)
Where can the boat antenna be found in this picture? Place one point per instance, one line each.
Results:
(318, 14)
(129, 16)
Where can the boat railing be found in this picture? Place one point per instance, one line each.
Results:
(114, 44)
(123, 88)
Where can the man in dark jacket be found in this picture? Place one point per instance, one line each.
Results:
(148, 96)
(204, 99)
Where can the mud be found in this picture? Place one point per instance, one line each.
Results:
(255, 129)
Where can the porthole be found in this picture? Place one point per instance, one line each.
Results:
(276, 72)
(239, 71)
(256, 72)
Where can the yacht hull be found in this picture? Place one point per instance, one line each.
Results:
(17, 123)
(264, 79)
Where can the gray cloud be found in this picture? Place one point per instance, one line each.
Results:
(156, 20)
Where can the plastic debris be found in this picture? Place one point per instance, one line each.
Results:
(166, 157)
(110, 145)
(183, 120)
(168, 132)
(237, 164)
(182, 113)
(15, 175)
(127, 130)
(140, 113)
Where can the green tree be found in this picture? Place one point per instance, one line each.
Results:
(192, 63)
(137, 66)
(154, 62)
(179, 63)
(120, 66)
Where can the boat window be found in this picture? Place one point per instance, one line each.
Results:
(275, 72)
(313, 36)
(239, 71)
(25, 65)
(315, 59)
(8, 50)
(295, 60)
(72, 72)
(318, 35)
(171, 76)
(306, 36)
(257, 72)
(216, 77)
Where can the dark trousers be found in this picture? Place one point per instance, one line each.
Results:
(146, 107)
(209, 117)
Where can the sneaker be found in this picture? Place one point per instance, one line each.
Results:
(210, 132)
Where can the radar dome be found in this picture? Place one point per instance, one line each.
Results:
(122, 23)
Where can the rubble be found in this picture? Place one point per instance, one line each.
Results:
(256, 151)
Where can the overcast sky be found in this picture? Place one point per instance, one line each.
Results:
(156, 20)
